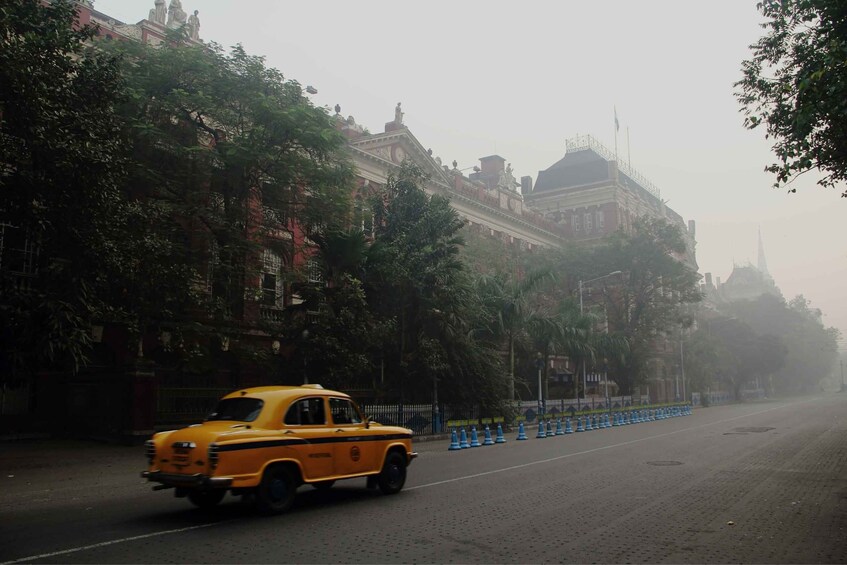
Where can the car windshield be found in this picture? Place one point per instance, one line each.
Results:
(238, 409)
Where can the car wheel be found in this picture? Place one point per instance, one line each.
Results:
(275, 493)
(323, 485)
(393, 474)
(206, 498)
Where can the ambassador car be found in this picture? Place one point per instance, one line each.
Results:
(267, 441)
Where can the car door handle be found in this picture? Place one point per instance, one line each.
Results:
(288, 432)
(339, 430)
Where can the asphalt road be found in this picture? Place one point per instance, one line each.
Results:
(751, 483)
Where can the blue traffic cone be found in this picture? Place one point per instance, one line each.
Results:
(521, 432)
(454, 442)
(559, 430)
(541, 434)
(638, 419)
(488, 439)
(616, 420)
(549, 428)
(606, 423)
(595, 420)
(463, 441)
(474, 438)
(579, 426)
(500, 438)
(588, 426)
(568, 426)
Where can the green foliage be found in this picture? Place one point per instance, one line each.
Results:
(811, 349)
(60, 171)
(416, 280)
(650, 295)
(795, 85)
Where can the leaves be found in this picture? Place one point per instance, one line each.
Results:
(795, 85)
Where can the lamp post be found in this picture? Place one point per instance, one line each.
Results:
(581, 286)
(539, 364)
(305, 358)
(681, 363)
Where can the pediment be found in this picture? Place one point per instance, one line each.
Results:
(394, 147)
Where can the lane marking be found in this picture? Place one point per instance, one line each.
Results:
(106, 543)
(587, 451)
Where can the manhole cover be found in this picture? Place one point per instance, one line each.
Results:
(753, 430)
(664, 463)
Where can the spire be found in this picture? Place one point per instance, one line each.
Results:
(763, 264)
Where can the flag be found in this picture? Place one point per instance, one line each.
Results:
(617, 125)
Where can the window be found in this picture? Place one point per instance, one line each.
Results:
(306, 412)
(344, 412)
(212, 266)
(588, 221)
(601, 219)
(575, 222)
(271, 279)
(18, 252)
(237, 409)
(314, 271)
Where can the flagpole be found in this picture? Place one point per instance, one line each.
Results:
(617, 126)
(628, 157)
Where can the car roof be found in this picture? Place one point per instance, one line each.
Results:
(280, 393)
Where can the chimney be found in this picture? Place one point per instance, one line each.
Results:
(492, 165)
(526, 185)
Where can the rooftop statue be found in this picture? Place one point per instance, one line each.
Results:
(176, 15)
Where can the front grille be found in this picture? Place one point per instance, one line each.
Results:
(150, 450)
(213, 456)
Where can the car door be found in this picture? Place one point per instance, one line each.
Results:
(355, 450)
(306, 419)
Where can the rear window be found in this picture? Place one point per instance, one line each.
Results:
(237, 409)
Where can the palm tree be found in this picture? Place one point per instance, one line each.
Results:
(507, 299)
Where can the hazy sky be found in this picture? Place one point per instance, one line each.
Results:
(519, 78)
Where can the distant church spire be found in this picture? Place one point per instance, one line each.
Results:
(763, 264)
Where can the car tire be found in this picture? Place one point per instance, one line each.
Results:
(276, 492)
(323, 485)
(393, 474)
(206, 499)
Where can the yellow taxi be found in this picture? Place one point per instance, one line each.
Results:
(267, 441)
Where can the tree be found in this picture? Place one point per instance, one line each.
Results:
(811, 348)
(61, 170)
(416, 281)
(650, 298)
(507, 300)
(795, 85)
(233, 157)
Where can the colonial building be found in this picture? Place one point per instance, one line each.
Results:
(152, 30)
(591, 194)
(488, 198)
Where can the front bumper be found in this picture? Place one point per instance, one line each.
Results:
(196, 480)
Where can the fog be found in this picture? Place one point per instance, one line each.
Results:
(483, 77)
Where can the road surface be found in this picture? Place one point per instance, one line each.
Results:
(755, 483)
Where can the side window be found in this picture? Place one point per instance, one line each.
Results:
(306, 412)
(344, 412)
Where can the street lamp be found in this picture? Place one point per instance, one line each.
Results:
(581, 286)
(305, 358)
(539, 364)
